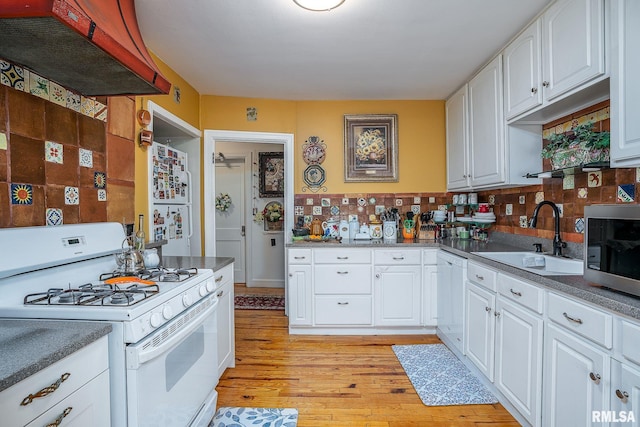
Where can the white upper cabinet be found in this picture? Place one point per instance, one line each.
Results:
(625, 85)
(558, 55)
(457, 128)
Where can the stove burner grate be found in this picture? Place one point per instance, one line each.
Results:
(89, 294)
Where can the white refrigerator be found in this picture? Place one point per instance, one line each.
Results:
(171, 200)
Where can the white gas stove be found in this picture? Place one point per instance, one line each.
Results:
(158, 317)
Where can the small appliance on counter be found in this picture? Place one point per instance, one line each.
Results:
(364, 233)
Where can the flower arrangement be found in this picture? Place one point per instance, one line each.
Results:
(578, 146)
(370, 146)
(223, 202)
(273, 212)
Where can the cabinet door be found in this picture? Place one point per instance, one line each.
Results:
(226, 327)
(457, 129)
(573, 45)
(519, 359)
(486, 126)
(625, 394)
(625, 85)
(522, 72)
(480, 328)
(429, 295)
(571, 388)
(397, 296)
(299, 295)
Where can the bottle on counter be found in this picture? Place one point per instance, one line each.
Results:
(140, 238)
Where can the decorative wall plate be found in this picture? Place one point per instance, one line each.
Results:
(314, 151)
(314, 176)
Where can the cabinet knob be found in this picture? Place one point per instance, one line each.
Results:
(496, 313)
(595, 378)
(622, 395)
(545, 84)
(534, 90)
(377, 275)
(487, 309)
(290, 274)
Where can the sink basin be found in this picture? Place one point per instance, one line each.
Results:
(545, 265)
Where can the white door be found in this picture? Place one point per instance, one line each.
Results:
(230, 224)
(457, 139)
(480, 328)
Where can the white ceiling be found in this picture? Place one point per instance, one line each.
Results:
(365, 49)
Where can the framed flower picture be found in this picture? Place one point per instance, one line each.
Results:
(271, 173)
(370, 148)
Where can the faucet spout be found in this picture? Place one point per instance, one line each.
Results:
(558, 244)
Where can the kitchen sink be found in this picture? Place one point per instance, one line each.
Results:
(545, 265)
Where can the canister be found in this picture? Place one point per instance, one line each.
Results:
(375, 229)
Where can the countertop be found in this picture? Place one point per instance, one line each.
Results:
(573, 285)
(214, 263)
(28, 346)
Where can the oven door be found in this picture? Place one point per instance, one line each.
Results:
(172, 373)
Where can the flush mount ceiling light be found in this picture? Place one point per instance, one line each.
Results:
(318, 5)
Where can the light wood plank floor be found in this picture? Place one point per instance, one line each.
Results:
(334, 380)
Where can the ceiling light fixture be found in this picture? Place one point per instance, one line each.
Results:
(318, 5)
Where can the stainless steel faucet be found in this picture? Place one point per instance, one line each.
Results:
(558, 244)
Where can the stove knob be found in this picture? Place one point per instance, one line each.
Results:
(187, 300)
(203, 290)
(156, 320)
(210, 286)
(167, 312)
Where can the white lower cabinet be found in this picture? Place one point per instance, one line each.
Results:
(225, 315)
(397, 293)
(299, 288)
(430, 295)
(625, 395)
(480, 328)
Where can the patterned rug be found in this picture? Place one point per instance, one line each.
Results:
(259, 302)
(439, 378)
(255, 417)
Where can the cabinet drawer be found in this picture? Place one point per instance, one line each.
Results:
(524, 293)
(392, 257)
(299, 256)
(591, 323)
(81, 366)
(343, 310)
(223, 276)
(631, 341)
(482, 276)
(342, 279)
(430, 256)
(342, 256)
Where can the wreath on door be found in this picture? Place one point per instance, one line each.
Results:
(223, 202)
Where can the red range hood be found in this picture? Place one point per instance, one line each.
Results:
(92, 46)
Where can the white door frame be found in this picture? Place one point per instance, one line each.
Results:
(210, 138)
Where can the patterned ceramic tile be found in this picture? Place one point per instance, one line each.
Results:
(523, 221)
(308, 219)
(522, 200)
(102, 195)
(317, 210)
(560, 209)
(353, 217)
(637, 174)
(87, 106)
(568, 182)
(309, 201)
(594, 179)
(53, 152)
(626, 193)
(71, 196)
(100, 111)
(379, 209)
(539, 197)
(99, 180)
(416, 200)
(345, 200)
(298, 210)
(582, 193)
(360, 208)
(3, 141)
(21, 194)
(325, 202)
(252, 114)
(86, 158)
(579, 225)
(398, 202)
(54, 216)
(26, 75)
(57, 94)
(432, 199)
(11, 75)
(415, 209)
(335, 210)
(442, 207)
(508, 209)
(39, 86)
(74, 101)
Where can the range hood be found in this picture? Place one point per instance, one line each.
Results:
(92, 46)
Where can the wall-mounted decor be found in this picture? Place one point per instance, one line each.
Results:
(271, 174)
(370, 148)
(314, 152)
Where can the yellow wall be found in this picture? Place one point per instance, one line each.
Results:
(421, 136)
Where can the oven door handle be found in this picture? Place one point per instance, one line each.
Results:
(139, 354)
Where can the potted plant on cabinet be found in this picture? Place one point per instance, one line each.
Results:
(578, 146)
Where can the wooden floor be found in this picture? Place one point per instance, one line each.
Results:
(334, 380)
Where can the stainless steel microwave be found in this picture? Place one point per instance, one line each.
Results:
(612, 246)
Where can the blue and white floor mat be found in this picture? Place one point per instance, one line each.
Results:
(254, 417)
(439, 378)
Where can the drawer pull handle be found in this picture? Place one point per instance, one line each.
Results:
(479, 277)
(219, 279)
(595, 377)
(299, 257)
(516, 293)
(219, 294)
(343, 303)
(58, 420)
(343, 272)
(622, 395)
(572, 319)
(342, 257)
(45, 391)
(398, 258)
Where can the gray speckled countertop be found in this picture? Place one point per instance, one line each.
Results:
(28, 346)
(575, 286)
(214, 263)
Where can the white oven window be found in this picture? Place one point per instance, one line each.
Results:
(172, 372)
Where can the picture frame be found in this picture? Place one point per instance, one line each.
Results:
(370, 148)
(271, 174)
